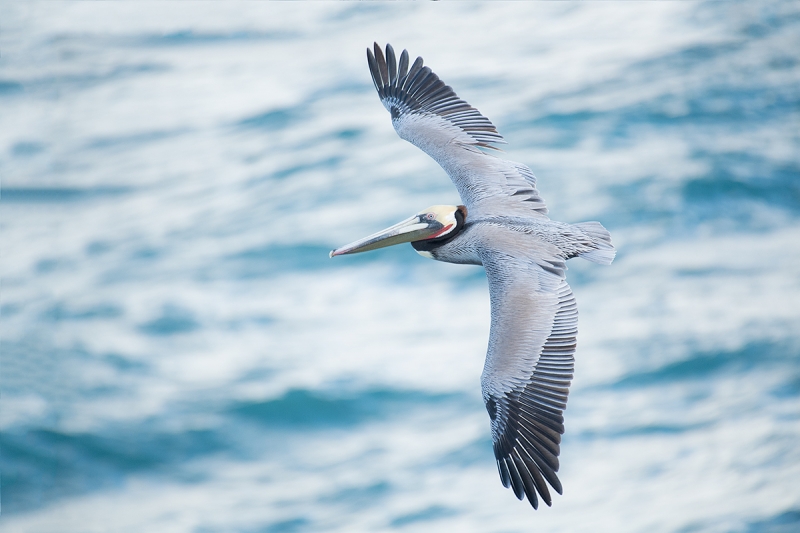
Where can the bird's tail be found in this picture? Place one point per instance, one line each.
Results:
(603, 252)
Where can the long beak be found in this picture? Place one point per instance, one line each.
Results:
(409, 230)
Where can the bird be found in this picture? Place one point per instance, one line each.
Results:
(503, 226)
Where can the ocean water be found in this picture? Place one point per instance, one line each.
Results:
(179, 354)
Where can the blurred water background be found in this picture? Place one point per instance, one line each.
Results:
(179, 354)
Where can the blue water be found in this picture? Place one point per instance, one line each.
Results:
(180, 354)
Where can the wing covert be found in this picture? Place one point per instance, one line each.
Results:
(429, 114)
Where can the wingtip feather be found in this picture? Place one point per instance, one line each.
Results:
(418, 89)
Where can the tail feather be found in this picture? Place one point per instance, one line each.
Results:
(604, 252)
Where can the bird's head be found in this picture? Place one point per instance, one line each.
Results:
(434, 224)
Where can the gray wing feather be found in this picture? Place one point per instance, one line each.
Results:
(429, 114)
(529, 364)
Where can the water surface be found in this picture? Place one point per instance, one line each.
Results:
(180, 354)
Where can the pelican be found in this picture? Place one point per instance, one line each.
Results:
(503, 226)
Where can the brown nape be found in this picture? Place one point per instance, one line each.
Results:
(431, 244)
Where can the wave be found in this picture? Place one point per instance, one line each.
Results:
(710, 364)
(314, 410)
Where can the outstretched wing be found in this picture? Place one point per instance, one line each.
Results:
(529, 367)
(428, 114)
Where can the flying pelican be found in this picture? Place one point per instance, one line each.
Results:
(503, 225)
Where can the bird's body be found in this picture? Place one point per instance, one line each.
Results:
(556, 239)
(504, 227)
